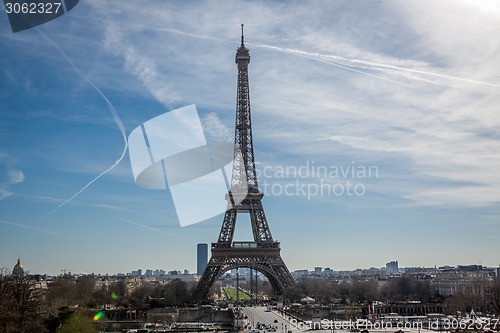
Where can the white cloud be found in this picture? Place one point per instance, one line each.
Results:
(310, 106)
(418, 99)
(215, 129)
(4, 194)
(9, 176)
(15, 176)
(139, 64)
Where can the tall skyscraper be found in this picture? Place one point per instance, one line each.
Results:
(392, 267)
(201, 258)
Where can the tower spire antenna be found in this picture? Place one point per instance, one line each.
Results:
(242, 38)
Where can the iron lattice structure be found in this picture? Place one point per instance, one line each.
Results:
(263, 253)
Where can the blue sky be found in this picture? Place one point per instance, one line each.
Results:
(408, 88)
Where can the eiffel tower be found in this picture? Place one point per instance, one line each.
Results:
(263, 254)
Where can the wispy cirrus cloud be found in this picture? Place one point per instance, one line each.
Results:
(9, 176)
(409, 87)
(138, 64)
(418, 91)
(15, 176)
(4, 194)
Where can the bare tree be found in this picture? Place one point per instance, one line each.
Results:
(138, 298)
(21, 304)
(471, 295)
(493, 295)
(85, 287)
(62, 292)
(363, 291)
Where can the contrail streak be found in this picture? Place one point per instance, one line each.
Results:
(115, 116)
(353, 70)
(371, 65)
(354, 62)
(298, 53)
(148, 227)
(42, 230)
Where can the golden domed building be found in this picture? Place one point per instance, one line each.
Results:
(18, 269)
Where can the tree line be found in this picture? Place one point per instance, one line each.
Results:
(479, 294)
(68, 303)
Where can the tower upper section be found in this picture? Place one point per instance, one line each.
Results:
(244, 177)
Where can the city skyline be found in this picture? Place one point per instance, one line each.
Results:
(389, 268)
(375, 135)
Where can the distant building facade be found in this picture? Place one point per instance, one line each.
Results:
(449, 281)
(137, 272)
